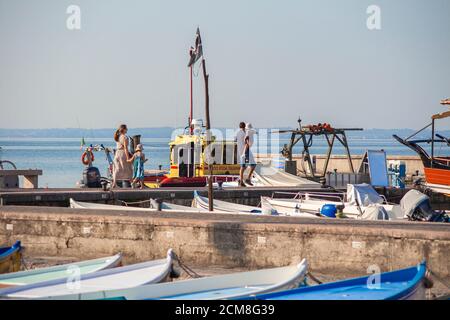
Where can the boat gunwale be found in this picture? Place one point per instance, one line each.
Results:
(115, 260)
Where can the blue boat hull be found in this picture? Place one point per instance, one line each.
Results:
(405, 284)
(10, 258)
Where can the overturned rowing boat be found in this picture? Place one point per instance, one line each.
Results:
(77, 285)
(404, 284)
(229, 286)
(57, 272)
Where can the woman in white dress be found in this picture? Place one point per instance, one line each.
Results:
(122, 169)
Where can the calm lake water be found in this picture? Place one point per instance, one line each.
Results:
(59, 158)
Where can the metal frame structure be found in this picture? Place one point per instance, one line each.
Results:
(306, 136)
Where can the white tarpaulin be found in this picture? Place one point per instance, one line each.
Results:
(375, 212)
(267, 175)
(363, 195)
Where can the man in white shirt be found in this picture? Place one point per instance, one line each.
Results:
(249, 159)
(245, 140)
(241, 144)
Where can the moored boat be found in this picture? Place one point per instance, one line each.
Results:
(77, 285)
(360, 202)
(10, 258)
(171, 207)
(404, 284)
(88, 205)
(436, 168)
(224, 206)
(196, 153)
(228, 286)
(167, 207)
(57, 272)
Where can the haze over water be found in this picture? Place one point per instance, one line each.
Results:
(59, 158)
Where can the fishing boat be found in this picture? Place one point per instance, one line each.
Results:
(437, 169)
(228, 286)
(188, 164)
(404, 284)
(360, 202)
(57, 272)
(197, 153)
(75, 284)
(10, 258)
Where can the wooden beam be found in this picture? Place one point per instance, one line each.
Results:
(29, 172)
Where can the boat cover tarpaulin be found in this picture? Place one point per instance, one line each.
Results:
(270, 176)
(363, 195)
(374, 212)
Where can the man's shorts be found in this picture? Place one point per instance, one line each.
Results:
(247, 160)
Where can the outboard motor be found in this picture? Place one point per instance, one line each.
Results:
(134, 141)
(423, 212)
(416, 207)
(91, 177)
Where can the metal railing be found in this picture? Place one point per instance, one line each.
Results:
(340, 180)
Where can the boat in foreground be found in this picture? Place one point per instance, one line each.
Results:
(57, 272)
(77, 285)
(229, 286)
(10, 258)
(404, 284)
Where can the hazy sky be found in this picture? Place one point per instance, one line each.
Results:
(269, 62)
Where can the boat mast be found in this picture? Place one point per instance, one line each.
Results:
(208, 136)
(191, 112)
(206, 78)
(195, 54)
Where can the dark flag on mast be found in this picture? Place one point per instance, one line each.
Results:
(197, 52)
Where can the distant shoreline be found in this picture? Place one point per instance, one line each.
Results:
(165, 132)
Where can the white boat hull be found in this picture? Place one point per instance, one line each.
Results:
(227, 286)
(166, 207)
(56, 272)
(303, 207)
(118, 278)
(439, 188)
